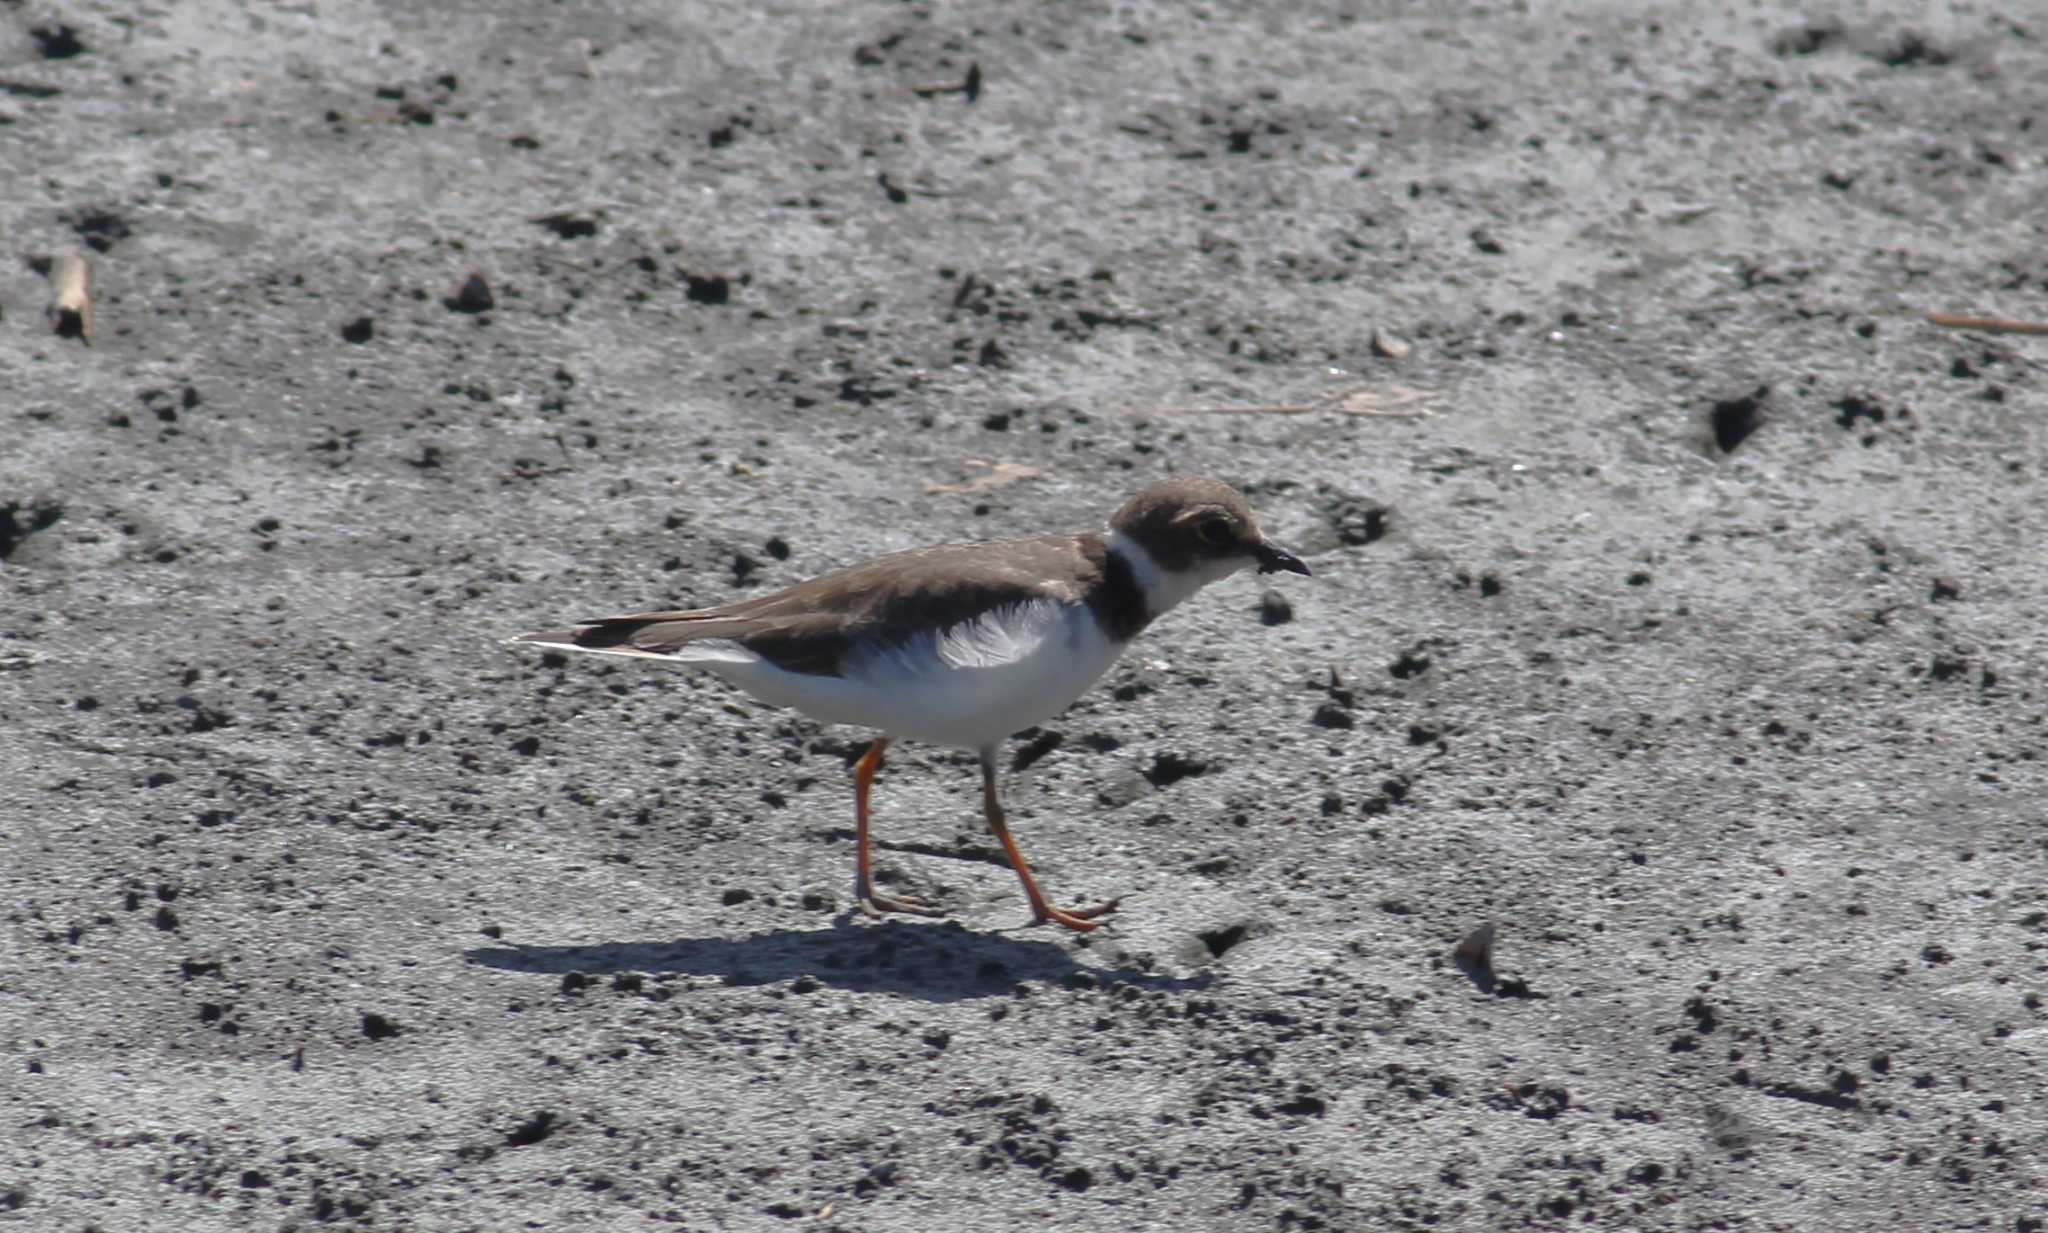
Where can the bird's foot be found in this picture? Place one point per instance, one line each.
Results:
(1080, 920)
(873, 903)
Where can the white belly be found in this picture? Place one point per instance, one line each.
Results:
(968, 687)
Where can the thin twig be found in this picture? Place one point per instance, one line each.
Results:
(1000, 475)
(1250, 408)
(70, 308)
(1383, 403)
(1990, 325)
(969, 86)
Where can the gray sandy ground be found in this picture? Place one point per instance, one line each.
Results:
(1691, 635)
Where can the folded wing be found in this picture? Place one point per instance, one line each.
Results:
(970, 592)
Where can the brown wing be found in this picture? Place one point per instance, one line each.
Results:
(809, 627)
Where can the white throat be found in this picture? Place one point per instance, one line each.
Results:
(1164, 589)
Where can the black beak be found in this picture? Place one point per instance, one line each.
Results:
(1273, 559)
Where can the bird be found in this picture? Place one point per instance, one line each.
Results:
(959, 645)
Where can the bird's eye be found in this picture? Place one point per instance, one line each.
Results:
(1215, 532)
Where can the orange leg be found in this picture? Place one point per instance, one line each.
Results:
(864, 894)
(1080, 920)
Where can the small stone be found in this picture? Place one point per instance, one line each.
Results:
(1390, 345)
(1275, 608)
(1475, 952)
(474, 297)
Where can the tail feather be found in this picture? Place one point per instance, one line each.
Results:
(615, 636)
(563, 638)
(600, 635)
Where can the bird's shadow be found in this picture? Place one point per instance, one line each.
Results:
(934, 963)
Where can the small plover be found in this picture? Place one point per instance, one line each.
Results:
(960, 645)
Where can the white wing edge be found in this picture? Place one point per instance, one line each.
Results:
(709, 651)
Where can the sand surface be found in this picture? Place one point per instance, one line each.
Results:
(1677, 611)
